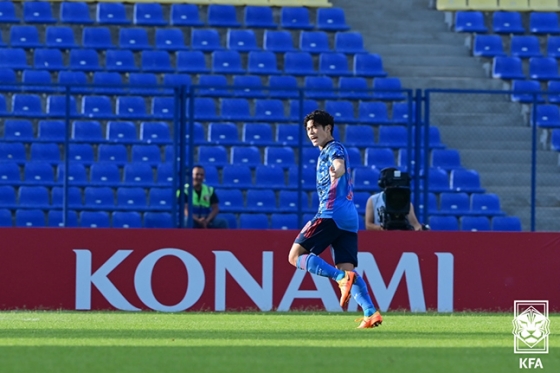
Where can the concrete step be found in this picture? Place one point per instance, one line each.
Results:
(437, 82)
(460, 104)
(432, 24)
(485, 134)
(406, 60)
(456, 120)
(520, 195)
(426, 37)
(484, 168)
(505, 157)
(441, 71)
(504, 178)
(413, 49)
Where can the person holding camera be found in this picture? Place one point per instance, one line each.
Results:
(391, 209)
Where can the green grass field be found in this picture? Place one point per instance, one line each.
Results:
(261, 342)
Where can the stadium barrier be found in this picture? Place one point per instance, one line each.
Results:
(193, 270)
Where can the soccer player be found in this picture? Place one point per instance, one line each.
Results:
(336, 222)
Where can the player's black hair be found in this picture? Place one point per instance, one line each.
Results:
(320, 117)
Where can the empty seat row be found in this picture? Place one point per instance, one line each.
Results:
(540, 68)
(475, 223)
(494, 5)
(529, 91)
(520, 46)
(194, 62)
(173, 39)
(463, 204)
(152, 14)
(233, 109)
(507, 23)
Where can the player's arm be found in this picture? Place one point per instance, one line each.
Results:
(338, 168)
(413, 220)
(370, 217)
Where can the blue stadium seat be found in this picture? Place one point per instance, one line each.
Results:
(241, 40)
(204, 109)
(543, 23)
(288, 134)
(547, 116)
(94, 219)
(258, 17)
(221, 15)
(253, 221)
(456, 204)
(74, 194)
(81, 153)
(246, 155)
(236, 109)
(475, 223)
(155, 133)
(262, 63)
(257, 134)
(278, 41)
(403, 112)
(87, 131)
(488, 46)
(30, 218)
(506, 223)
(39, 77)
(231, 200)
(288, 201)
(372, 112)
(135, 39)
(24, 37)
(447, 159)
(486, 204)
(61, 37)
(286, 86)
(526, 86)
(433, 136)
(18, 130)
(8, 12)
(402, 161)
(7, 197)
(33, 197)
(555, 140)
(13, 152)
(8, 76)
(314, 42)
(223, 134)
(126, 219)
(3, 107)
(507, 23)
(148, 15)
(138, 174)
(149, 154)
(163, 107)
(269, 177)
(279, 156)
(102, 173)
(170, 39)
(349, 43)
(388, 89)
(299, 63)
(48, 152)
(360, 136)
(311, 155)
(393, 136)
(77, 176)
(438, 180)
(131, 199)
(56, 219)
(9, 173)
(71, 81)
(213, 155)
(368, 65)
(27, 105)
(227, 62)
(270, 110)
(354, 156)
(14, 58)
(191, 62)
(111, 14)
(161, 198)
(142, 83)
(261, 201)
(333, 64)
(113, 153)
(543, 68)
(296, 18)
(465, 181)
(237, 177)
(284, 221)
(443, 223)
(120, 60)
(331, 19)
(156, 62)
(308, 107)
(158, 220)
(360, 201)
(173, 80)
(319, 87)
(185, 15)
(39, 173)
(121, 132)
(248, 86)
(84, 60)
(97, 106)
(470, 22)
(38, 12)
(75, 13)
(525, 46)
(507, 68)
(342, 111)
(205, 40)
(131, 107)
(431, 205)
(553, 46)
(165, 173)
(97, 38)
(353, 88)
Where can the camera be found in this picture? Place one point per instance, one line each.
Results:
(396, 187)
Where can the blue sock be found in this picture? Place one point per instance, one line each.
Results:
(313, 264)
(361, 295)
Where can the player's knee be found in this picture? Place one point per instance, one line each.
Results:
(292, 259)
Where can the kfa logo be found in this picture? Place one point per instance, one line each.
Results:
(531, 328)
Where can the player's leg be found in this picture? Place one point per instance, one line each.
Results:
(313, 239)
(345, 252)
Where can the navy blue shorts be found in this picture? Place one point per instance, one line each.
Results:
(320, 233)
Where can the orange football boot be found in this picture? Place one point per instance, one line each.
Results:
(345, 286)
(372, 321)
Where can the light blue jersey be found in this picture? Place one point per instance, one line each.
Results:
(336, 200)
